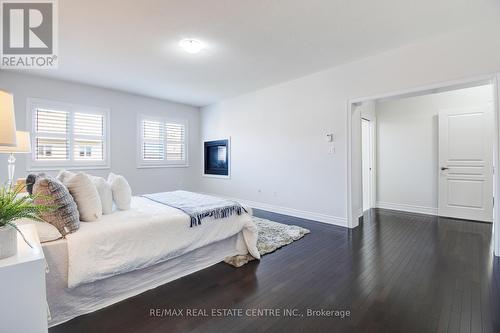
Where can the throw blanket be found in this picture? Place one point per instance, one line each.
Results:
(198, 206)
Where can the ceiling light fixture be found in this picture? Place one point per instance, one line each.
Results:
(191, 45)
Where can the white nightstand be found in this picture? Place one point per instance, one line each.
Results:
(23, 302)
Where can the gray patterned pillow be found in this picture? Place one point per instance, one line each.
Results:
(65, 217)
(31, 180)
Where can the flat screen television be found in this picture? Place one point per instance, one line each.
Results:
(216, 155)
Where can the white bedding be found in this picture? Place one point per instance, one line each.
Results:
(65, 303)
(146, 234)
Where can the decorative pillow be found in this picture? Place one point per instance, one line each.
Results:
(30, 181)
(105, 194)
(65, 175)
(65, 216)
(46, 231)
(84, 193)
(122, 193)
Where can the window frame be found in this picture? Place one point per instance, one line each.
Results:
(143, 164)
(36, 165)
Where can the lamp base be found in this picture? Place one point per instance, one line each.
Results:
(12, 168)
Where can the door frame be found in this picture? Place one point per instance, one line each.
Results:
(373, 147)
(352, 193)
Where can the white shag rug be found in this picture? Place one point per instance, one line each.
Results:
(272, 236)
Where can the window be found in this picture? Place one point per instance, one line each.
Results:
(65, 135)
(162, 142)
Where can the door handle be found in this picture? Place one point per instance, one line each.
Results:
(444, 168)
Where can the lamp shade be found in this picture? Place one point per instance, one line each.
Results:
(7, 120)
(23, 144)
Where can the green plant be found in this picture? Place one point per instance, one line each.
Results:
(14, 206)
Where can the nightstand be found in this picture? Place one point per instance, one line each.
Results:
(23, 302)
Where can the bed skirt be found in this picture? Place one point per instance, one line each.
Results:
(65, 304)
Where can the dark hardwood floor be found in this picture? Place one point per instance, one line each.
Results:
(397, 272)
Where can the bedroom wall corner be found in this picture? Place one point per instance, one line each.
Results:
(123, 120)
(279, 154)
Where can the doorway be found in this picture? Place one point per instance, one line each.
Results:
(355, 189)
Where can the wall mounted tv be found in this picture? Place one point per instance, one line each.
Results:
(216, 157)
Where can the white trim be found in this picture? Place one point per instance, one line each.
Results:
(373, 161)
(75, 167)
(203, 174)
(318, 217)
(214, 176)
(372, 123)
(496, 166)
(408, 208)
(32, 165)
(434, 87)
(159, 166)
(350, 220)
(493, 78)
(141, 164)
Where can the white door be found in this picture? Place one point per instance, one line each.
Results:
(366, 156)
(466, 163)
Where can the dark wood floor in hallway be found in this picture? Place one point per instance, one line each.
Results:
(397, 272)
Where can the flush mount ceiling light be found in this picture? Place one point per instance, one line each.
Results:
(191, 45)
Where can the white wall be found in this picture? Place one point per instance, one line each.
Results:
(279, 155)
(368, 110)
(407, 147)
(124, 109)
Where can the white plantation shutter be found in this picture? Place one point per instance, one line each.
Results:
(88, 134)
(51, 135)
(153, 143)
(175, 142)
(162, 142)
(66, 135)
(88, 124)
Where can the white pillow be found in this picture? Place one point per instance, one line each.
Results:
(64, 175)
(46, 231)
(122, 193)
(105, 194)
(85, 194)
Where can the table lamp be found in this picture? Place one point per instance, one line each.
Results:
(23, 146)
(7, 120)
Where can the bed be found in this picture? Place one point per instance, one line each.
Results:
(129, 252)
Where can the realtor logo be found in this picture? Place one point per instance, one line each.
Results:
(29, 31)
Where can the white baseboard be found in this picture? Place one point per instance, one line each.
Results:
(408, 208)
(340, 221)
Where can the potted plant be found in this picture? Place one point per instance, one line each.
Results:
(14, 206)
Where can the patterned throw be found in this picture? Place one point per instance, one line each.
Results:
(198, 206)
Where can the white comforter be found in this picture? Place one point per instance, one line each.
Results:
(146, 234)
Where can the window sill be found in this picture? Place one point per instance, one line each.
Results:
(163, 166)
(67, 167)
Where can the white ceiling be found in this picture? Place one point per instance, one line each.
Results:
(133, 45)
